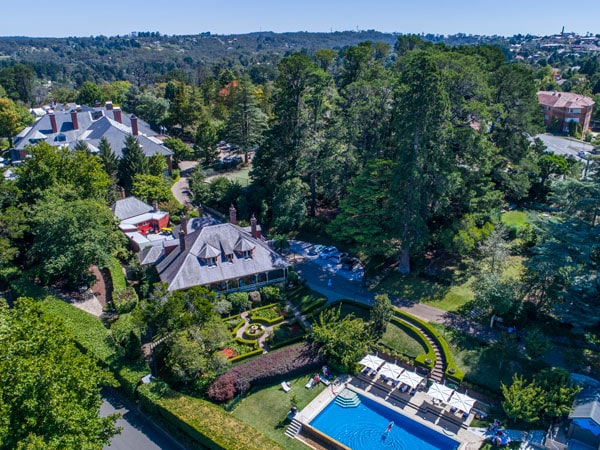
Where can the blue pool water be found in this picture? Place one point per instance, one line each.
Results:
(364, 428)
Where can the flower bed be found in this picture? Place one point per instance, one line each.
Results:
(254, 331)
(270, 314)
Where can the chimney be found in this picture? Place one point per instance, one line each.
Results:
(108, 106)
(53, 122)
(253, 229)
(232, 215)
(117, 114)
(181, 239)
(155, 206)
(134, 125)
(122, 191)
(200, 210)
(184, 224)
(74, 120)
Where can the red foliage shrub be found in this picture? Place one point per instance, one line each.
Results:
(222, 389)
(267, 369)
(229, 353)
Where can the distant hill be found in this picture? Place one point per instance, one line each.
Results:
(144, 57)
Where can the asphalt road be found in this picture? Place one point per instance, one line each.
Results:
(564, 146)
(138, 432)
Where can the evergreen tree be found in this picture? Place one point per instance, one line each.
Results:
(132, 163)
(108, 158)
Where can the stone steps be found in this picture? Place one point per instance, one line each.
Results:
(294, 428)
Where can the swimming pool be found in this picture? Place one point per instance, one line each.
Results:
(364, 428)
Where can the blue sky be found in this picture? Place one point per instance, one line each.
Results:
(112, 17)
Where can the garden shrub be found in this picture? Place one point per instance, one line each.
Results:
(250, 334)
(271, 294)
(269, 315)
(269, 368)
(239, 301)
(125, 300)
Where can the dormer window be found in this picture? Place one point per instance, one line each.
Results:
(247, 254)
(211, 262)
(229, 258)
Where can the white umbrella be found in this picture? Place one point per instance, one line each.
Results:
(440, 392)
(461, 401)
(390, 370)
(410, 378)
(371, 361)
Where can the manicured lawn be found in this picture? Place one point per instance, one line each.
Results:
(305, 299)
(396, 338)
(455, 297)
(411, 287)
(266, 409)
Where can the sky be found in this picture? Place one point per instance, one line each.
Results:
(59, 18)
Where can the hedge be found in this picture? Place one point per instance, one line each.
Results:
(116, 274)
(256, 317)
(245, 356)
(458, 375)
(87, 330)
(204, 423)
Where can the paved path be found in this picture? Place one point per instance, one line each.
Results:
(341, 288)
(181, 188)
(138, 432)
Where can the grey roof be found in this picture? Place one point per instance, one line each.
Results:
(129, 207)
(150, 255)
(185, 269)
(587, 405)
(93, 124)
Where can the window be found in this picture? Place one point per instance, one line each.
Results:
(212, 262)
(229, 258)
(574, 111)
(247, 254)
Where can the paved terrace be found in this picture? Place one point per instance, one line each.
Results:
(418, 407)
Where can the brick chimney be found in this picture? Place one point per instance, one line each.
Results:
(74, 120)
(184, 224)
(122, 192)
(53, 122)
(232, 215)
(253, 227)
(117, 114)
(108, 106)
(181, 240)
(134, 125)
(155, 206)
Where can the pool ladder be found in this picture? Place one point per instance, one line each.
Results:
(347, 399)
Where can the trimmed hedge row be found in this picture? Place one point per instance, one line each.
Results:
(451, 371)
(119, 282)
(269, 368)
(208, 425)
(245, 356)
(256, 317)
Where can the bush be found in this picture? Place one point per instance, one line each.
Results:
(116, 274)
(271, 294)
(125, 300)
(239, 301)
(270, 314)
(269, 368)
(253, 332)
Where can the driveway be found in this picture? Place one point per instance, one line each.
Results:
(138, 432)
(181, 188)
(564, 146)
(328, 280)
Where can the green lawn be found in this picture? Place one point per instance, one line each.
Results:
(396, 338)
(266, 409)
(515, 219)
(305, 299)
(242, 176)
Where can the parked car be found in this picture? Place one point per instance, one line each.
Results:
(328, 252)
(581, 154)
(339, 256)
(349, 263)
(315, 250)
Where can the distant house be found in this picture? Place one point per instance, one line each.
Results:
(566, 107)
(89, 125)
(223, 257)
(143, 224)
(585, 418)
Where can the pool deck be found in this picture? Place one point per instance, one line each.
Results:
(417, 407)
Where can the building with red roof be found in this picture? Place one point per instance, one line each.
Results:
(565, 107)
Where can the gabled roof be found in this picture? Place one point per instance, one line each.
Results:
(564, 99)
(126, 208)
(188, 268)
(587, 405)
(92, 125)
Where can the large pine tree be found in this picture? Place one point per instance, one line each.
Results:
(132, 163)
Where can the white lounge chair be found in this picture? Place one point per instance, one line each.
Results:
(286, 386)
(310, 383)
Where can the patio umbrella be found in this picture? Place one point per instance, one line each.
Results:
(461, 401)
(440, 392)
(390, 370)
(410, 378)
(371, 361)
